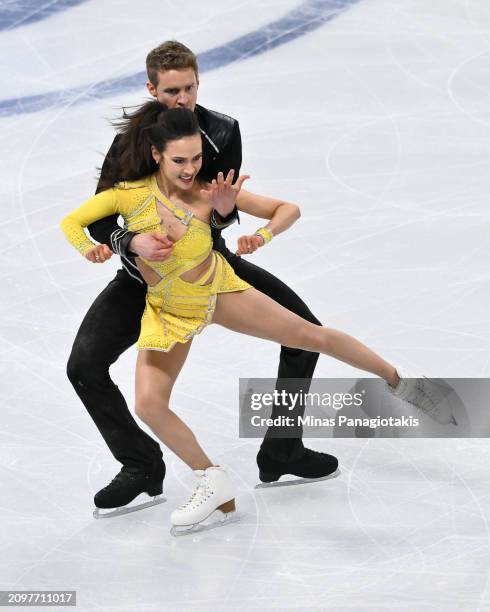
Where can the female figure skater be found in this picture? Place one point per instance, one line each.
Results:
(196, 286)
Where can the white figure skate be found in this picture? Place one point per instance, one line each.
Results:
(428, 396)
(213, 499)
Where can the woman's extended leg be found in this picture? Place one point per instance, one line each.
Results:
(253, 313)
(156, 373)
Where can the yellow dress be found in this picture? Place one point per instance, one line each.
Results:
(176, 310)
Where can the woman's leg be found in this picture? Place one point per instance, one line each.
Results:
(156, 373)
(255, 314)
(294, 364)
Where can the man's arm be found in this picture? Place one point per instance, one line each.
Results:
(230, 157)
(107, 230)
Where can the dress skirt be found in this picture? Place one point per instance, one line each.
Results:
(177, 310)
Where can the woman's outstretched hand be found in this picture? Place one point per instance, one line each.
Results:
(249, 244)
(222, 194)
(99, 253)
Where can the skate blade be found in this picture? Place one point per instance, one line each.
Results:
(297, 481)
(226, 519)
(100, 513)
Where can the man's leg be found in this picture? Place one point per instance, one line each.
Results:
(111, 326)
(294, 363)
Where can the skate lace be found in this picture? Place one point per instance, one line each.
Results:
(317, 454)
(120, 477)
(201, 493)
(312, 454)
(421, 398)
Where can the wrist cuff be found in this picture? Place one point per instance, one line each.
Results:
(120, 240)
(219, 222)
(266, 234)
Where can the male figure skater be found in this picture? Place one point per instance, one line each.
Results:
(112, 323)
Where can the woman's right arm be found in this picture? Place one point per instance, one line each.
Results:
(281, 216)
(99, 206)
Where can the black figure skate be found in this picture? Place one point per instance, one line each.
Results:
(114, 499)
(310, 467)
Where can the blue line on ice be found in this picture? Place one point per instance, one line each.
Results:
(17, 13)
(308, 16)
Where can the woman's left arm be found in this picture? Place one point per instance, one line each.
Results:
(281, 217)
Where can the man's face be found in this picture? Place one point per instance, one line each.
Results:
(176, 88)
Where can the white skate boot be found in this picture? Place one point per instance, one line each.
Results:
(427, 395)
(213, 493)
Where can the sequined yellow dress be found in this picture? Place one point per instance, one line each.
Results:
(176, 310)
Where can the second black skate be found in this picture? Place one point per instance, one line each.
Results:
(114, 499)
(312, 465)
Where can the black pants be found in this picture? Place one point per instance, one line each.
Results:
(112, 325)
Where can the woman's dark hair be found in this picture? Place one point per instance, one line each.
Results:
(150, 124)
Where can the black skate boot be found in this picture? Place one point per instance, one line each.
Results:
(312, 465)
(125, 487)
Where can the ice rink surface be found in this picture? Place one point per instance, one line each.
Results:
(374, 116)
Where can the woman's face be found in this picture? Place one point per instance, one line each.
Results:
(181, 161)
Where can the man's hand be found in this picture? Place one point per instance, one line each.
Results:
(249, 244)
(153, 246)
(222, 193)
(99, 253)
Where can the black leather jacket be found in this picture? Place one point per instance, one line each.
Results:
(222, 151)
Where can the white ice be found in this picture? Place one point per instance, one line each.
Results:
(378, 125)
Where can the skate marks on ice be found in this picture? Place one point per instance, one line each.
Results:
(296, 481)
(100, 513)
(309, 16)
(18, 13)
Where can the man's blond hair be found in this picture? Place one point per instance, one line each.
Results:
(170, 55)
